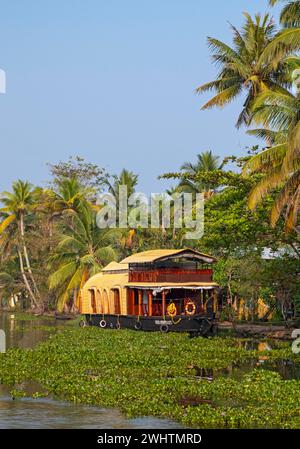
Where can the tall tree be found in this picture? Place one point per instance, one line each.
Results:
(206, 162)
(287, 41)
(129, 180)
(82, 251)
(18, 205)
(243, 67)
(125, 178)
(279, 164)
(290, 14)
(87, 174)
(70, 194)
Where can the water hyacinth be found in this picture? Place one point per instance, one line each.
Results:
(158, 375)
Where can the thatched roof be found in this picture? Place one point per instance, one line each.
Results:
(115, 266)
(163, 254)
(107, 281)
(172, 285)
(116, 274)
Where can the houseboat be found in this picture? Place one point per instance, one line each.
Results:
(159, 290)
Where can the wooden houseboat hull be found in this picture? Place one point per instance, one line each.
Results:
(195, 325)
(159, 290)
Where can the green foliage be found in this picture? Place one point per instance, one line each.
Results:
(290, 14)
(125, 178)
(279, 163)
(87, 174)
(48, 237)
(296, 301)
(82, 251)
(206, 163)
(244, 67)
(155, 375)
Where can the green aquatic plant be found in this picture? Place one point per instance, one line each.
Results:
(159, 375)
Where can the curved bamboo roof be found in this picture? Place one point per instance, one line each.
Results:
(107, 281)
(115, 274)
(115, 266)
(161, 254)
(172, 285)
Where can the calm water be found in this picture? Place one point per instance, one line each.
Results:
(285, 367)
(49, 413)
(26, 333)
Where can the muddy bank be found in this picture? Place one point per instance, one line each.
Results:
(258, 330)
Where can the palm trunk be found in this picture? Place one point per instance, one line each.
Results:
(28, 266)
(31, 294)
(50, 230)
(232, 311)
(74, 304)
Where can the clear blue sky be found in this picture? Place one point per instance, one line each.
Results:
(113, 81)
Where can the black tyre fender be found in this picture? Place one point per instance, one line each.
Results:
(214, 330)
(138, 326)
(82, 323)
(164, 328)
(103, 324)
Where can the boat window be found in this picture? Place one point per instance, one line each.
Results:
(117, 302)
(93, 300)
(99, 301)
(105, 302)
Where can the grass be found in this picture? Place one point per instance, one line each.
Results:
(152, 374)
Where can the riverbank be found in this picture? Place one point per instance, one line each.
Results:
(244, 329)
(204, 383)
(258, 330)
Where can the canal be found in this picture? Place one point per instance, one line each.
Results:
(49, 413)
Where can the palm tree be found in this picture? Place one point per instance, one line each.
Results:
(280, 164)
(243, 67)
(82, 251)
(70, 195)
(129, 180)
(290, 14)
(18, 204)
(206, 162)
(287, 41)
(11, 283)
(125, 178)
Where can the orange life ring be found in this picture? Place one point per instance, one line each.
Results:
(190, 308)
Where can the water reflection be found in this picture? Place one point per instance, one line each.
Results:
(51, 414)
(47, 413)
(26, 333)
(286, 368)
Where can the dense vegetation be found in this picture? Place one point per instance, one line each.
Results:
(50, 245)
(151, 374)
(49, 240)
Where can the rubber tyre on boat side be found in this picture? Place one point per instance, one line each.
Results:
(214, 330)
(164, 328)
(138, 326)
(82, 323)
